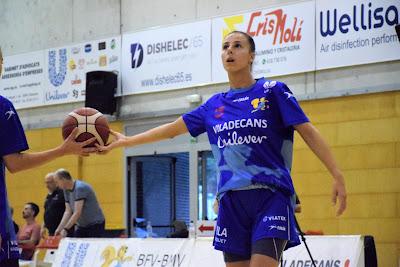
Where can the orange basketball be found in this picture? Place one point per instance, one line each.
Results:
(90, 122)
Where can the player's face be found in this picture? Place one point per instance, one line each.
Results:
(236, 54)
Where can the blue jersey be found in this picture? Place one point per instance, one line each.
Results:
(12, 140)
(250, 131)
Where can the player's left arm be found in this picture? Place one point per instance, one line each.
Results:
(16, 162)
(318, 145)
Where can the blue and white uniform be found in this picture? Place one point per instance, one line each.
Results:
(12, 140)
(250, 131)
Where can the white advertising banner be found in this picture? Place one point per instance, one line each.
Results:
(57, 75)
(353, 32)
(66, 68)
(284, 38)
(166, 58)
(22, 80)
(124, 252)
(345, 251)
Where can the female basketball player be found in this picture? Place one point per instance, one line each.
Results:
(250, 128)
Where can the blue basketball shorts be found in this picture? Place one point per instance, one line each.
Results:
(246, 216)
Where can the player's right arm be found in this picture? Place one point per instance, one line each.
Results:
(165, 131)
(20, 161)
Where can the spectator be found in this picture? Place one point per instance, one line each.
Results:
(54, 207)
(12, 144)
(81, 208)
(29, 234)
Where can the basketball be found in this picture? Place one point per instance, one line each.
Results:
(90, 123)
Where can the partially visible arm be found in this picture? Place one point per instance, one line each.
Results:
(321, 149)
(22, 161)
(43, 230)
(67, 214)
(165, 131)
(78, 206)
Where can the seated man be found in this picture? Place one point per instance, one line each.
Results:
(29, 235)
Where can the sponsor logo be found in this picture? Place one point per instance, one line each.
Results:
(75, 94)
(103, 60)
(274, 218)
(75, 256)
(57, 77)
(220, 235)
(321, 262)
(113, 44)
(168, 46)
(259, 104)
(136, 55)
(56, 95)
(219, 112)
(278, 24)
(363, 17)
(75, 50)
(230, 23)
(81, 63)
(288, 95)
(102, 45)
(115, 257)
(76, 81)
(91, 62)
(277, 227)
(113, 59)
(9, 113)
(88, 48)
(241, 99)
(269, 84)
(71, 64)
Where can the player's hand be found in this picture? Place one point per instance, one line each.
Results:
(116, 142)
(339, 195)
(70, 146)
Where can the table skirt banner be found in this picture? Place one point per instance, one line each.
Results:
(334, 251)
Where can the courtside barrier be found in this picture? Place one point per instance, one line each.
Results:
(346, 251)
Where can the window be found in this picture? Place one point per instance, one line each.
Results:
(159, 191)
(207, 185)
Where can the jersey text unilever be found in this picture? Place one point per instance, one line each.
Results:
(363, 17)
(168, 46)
